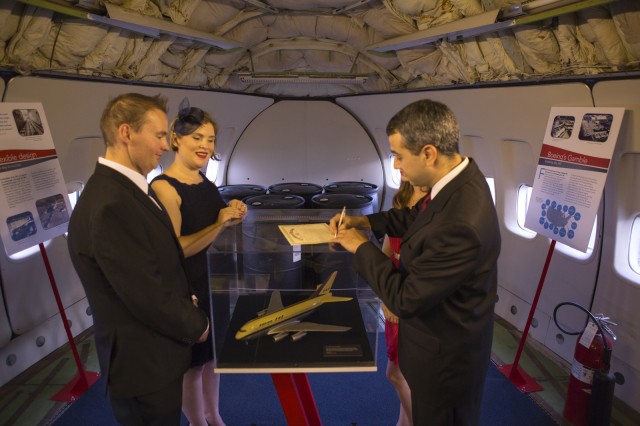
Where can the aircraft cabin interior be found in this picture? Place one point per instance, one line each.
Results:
(302, 92)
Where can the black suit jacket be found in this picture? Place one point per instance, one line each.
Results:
(444, 290)
(124, 250)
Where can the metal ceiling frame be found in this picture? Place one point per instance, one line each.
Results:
(131, 21)
(487, 22)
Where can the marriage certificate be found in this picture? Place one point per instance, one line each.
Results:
(309, 233)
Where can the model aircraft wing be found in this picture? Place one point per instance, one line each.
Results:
(294, 327)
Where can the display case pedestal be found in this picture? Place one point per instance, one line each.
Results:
(296, 399)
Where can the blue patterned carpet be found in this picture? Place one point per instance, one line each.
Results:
(342, 399)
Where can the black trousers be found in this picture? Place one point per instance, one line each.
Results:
(464, 413)
(161, 408)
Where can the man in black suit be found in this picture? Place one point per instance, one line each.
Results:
(444, 290)
(124, 250)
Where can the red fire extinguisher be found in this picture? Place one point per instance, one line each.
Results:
(590, 392)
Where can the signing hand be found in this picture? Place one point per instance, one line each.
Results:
(358, 222)
(350, 239)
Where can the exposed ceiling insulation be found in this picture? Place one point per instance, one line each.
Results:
(313, 48)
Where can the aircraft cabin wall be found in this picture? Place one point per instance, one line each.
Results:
(264, 142)
(618, 290)
(305, 141)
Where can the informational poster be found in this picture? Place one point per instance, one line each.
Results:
(572, 169)
(34, 205)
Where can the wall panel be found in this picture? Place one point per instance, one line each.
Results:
(618, 291)
(304, 141)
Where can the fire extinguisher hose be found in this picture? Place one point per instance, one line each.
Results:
(598, 322)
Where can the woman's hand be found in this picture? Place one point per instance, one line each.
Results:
(233, 214)
(388, 315)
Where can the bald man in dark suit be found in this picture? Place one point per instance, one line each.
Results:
(124, 250)
(444, 290)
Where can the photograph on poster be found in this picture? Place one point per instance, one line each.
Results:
(562, 220)
(28, 122)
(21, 226)
(562, 127)
(52, 211)
(595, 127)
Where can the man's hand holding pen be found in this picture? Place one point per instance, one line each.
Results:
(345, 230)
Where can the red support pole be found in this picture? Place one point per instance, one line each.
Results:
(296, 399)
(307, 399)
(517, 375)
(79, 384)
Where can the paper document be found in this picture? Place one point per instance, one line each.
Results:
(308, 233)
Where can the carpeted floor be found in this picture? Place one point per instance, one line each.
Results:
(342, 399)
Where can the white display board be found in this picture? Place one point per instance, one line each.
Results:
(572, 169)
(34, 205)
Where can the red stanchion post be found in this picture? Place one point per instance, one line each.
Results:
(515, 374)
(79, 384)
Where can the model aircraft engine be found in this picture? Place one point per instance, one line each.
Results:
(297, 336)
(278, 337)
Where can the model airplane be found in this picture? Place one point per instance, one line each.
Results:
(279, 321)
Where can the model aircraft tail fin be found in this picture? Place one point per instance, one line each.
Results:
(275, 304)
(326, 286)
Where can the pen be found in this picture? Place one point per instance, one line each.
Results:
(340, 221)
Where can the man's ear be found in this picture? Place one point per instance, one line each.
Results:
(430, 153)
(124, 133)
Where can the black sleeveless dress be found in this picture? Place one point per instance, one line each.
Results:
(200, 206)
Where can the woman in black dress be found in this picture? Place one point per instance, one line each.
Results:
(198, 214)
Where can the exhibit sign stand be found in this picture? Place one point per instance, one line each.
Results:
(570, 176)
(34, 204)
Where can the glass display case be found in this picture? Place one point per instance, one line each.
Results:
(283, 308)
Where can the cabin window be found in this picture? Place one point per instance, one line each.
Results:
(211, 170)
(395, 173)
(492, 187)
(577, 254)
(634, 246)
(155, 172)
(73, 190)
(27, 253)
(524, 195)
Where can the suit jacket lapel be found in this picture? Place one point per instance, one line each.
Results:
(143, 198)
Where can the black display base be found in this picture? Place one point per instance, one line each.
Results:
(317, 350)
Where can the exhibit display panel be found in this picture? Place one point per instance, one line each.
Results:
(278, 307)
